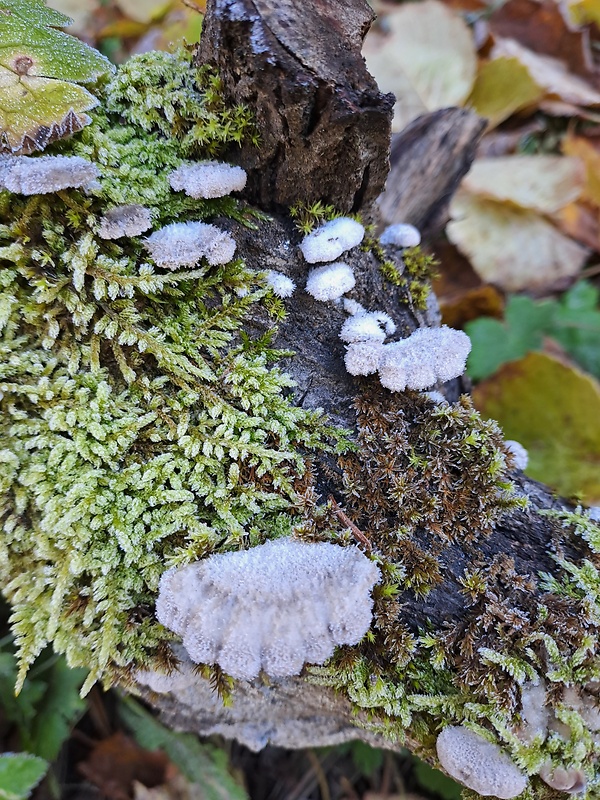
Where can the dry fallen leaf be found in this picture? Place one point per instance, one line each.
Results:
(427, 59)
(144, 10)
(540, 183)
(511, 247)
(502, 87)
(553, 410)
(549, 73)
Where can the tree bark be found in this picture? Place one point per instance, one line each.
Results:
(324, 136)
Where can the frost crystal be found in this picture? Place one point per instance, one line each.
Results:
(45, 174)
(274, 607)
(478, 764)
(427, 356)
(183, 244)
(330, 282)
(518, 452)
(207, 179)
(128, 220)
(362, 358)
(331, 240)
(281, 285)
(401, 235)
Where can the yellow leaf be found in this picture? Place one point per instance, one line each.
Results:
(583, 12)
(144, 10)
(540, 183)
(427, 60)
(583, 149)
(35, 111)
(553, 410)
(502, 87)
(513, 248)
(548, 73)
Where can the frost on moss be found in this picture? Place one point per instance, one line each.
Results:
(139, 430)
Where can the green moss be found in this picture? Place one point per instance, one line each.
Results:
(139, 428)
(310, 215)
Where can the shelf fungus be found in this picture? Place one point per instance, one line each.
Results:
(274, 607)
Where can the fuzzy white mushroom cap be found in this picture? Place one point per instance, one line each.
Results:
(330, 282)
(518, 452)
(331, 240)
(183, 244)
(362, 358)
(274, 607)
(401, 235)
(45, 174)
(207, 179)
(478, 764)
(427, 356)
(535, 714)
(130, 220)
(563, 779)
(281, 285)
(367, 325)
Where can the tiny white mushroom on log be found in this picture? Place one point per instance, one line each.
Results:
(274, 607)
(401, 235)
(183, 244)
(563, 779)
(207, 179)
(365, 325)
(281, 285)
(30, 175)
(362, 358)
(478, 764)
(129, 220)
(330, 282)
(518, 452)
(331, 240)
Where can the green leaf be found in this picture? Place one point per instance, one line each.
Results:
(435, 782)
(202, 764)
(574, 322)
(366, 759)
(35, 107)
(20, 773)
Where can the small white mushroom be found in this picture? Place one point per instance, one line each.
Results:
(130, 220)
(362, 358)
(518, 452)
(45, 174)
(367, 325)
(281, 285)
(562, 779)
(331, 240)
(401, 235)
(207, 179)
(478, 764)
(183, 244)
(535, 714)
(330, 282)
(274, 607)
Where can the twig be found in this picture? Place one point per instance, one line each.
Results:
(345, 519)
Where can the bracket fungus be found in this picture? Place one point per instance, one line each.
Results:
(207, 179)
(330, 282)
(31, 175)
(329, 241)
(478, 764)
(274, 607)
(183, 244)
(128, 220)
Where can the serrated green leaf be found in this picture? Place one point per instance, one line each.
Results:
(202, 764)
(20, 773)
(38, 102)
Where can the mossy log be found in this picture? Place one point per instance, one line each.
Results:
(497, 593)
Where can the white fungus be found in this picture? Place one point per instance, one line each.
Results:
(478, 764)
(130, 220)
(353, 306)
(518, 452)
(281, 285)
(563, 779)
(45, 174)
(427, 356)
(274, 607)
(401, 235)
(362, 358)
(330, 282)
(331, 240)
(535, 714)
(207, 179)
(183, 244)
(366, 325)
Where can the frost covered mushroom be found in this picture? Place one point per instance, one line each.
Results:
(45, 174)
(130, 220)
(274, 607)
(281, 285)
(427, 356)
(367, 325)
(518, 452)
(401, 235)
(363, 358)
(478, 764)
(207, 179)
(330, 282)
(183, 244)
(331, 240)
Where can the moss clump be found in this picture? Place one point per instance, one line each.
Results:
(310, 215)
(139, 429)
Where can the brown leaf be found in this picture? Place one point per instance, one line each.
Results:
(115, 763)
